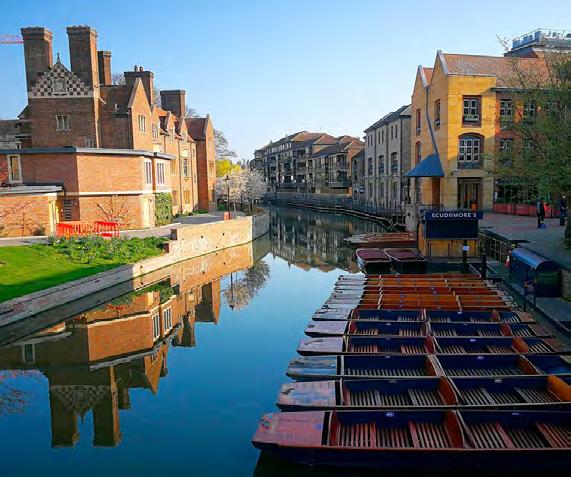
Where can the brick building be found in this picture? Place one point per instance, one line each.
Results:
(92, 150)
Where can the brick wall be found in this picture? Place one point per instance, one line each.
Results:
(24, 215)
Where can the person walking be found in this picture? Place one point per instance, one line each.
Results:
(562, 210)
(540, 209)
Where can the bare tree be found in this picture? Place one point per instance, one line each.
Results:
(222, 146)
(114, 209)
(118, 79)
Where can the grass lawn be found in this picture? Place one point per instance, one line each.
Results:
(27, 269)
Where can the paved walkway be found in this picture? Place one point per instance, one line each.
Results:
(548, 242)
(157, 232)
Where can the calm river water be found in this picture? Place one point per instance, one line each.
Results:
(170, 378)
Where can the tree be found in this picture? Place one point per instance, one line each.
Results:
(118, 79)
(254, 187)
(225, 166)
(230, 187)
(114, 209)
(239, 293)
(191, 112)
(539, 158)
(221, 146)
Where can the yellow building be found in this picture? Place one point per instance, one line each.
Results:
(455, 120)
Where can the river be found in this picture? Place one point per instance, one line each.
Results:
(172, 377)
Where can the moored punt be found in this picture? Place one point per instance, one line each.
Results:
(435, 440)
(406, 259)
(387, 315)
(382, 240)
(491, 365)
(332, 314)
(498, 345)
(308, 368)
(366, 345)
(365, 328)
(486, 329)
(552, 364)
(439, 316)
(372, 259)
(514, 392)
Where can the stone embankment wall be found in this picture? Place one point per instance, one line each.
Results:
(186, 242)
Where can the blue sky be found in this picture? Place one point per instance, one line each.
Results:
(264, 69)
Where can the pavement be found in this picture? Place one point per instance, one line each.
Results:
(163, 231)
(548, 242)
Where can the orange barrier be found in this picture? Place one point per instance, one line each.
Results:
(82, 229)
(106, 229)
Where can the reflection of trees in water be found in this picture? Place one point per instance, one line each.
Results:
(240, 292)
(13, 400)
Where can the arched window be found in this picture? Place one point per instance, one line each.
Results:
(470, 148)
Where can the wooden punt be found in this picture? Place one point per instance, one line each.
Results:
(552, 364)
(332, 314)
(514, 392)
(366, 345)
(497, 345)
(524, 441)
(487, 329)
(439, 316)
(490, 365)
(388, 393)
(372, 259)
(407, 259)
(387, 315)
(382, 240)
(365, 328)
(310, 368)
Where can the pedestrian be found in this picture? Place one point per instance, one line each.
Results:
(562, 210)
(540, 210)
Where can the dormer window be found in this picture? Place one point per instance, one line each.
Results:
(471, 110)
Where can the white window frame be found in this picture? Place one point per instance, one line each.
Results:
(148, 172)
(155, 131)
(11, 178)
(160, 173)
(506, 108)
(470, 149)
(471, 109)
(142, 123)
(156, 321)
(167, 319)
(63, 122)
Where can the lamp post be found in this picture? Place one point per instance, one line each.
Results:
(227, 180)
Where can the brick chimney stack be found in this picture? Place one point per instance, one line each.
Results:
(37, 53)
(146, 78)
(83, 54)
(104, 63)
(174, 100)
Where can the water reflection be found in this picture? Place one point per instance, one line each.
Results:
(310, 239)
(94, 359)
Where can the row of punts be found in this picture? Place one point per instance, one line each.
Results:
(382, 240)
(432, 372)
(402, 260)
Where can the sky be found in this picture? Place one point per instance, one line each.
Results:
(263, 69)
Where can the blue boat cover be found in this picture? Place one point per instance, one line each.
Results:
(430, 166)
(533, 260)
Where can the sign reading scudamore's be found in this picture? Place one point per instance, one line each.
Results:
(452, 215)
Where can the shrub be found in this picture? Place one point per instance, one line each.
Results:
(163, 208)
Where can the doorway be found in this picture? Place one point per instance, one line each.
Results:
(469, 195)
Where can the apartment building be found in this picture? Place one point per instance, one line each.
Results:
(358, 179)
(308, 162)
(387, 159)
(92, 150)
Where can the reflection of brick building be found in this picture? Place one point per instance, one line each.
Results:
(92, 150)
(93, 360)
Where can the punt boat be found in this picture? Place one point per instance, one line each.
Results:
(365, 328)
(500, 365)
(517, 392)
(487, 329)
(372, 259)
(382, 240)
(497, 345)
(522, 441)
(439, 316)
(310, 368)
(366, 345)
(407, 259)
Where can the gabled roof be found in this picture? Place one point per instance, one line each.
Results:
(337, 148)
(323, 139)
(197, 127)
(389, 118)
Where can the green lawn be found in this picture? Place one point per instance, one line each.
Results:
(27, 269)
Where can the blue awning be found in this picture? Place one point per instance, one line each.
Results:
(430, 166)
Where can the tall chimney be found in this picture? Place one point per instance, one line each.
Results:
(146, 78)
(37, 53)
(104, 63)
(83, 54)
(174, 100)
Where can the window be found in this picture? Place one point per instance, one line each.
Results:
(383, 136)
(160, 173)
(14, 169)
(394, 163)
(370, 167)
(471, 110)
(418, 190)
(148, 172)
(381, 165)
(186, 195)
(506, 150)
(506, 112)
(379, 136)
(174, 168)
(67, 209)
(418, 152)
(29, 353)
(167, 319)
(142, 123)
(156, 326)
(185, 167)
(155, 131)
(62, 123)
(396, 130)
(469, 149)
(391, 132)
(437, 114)
(417, 122)
(529, 111)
